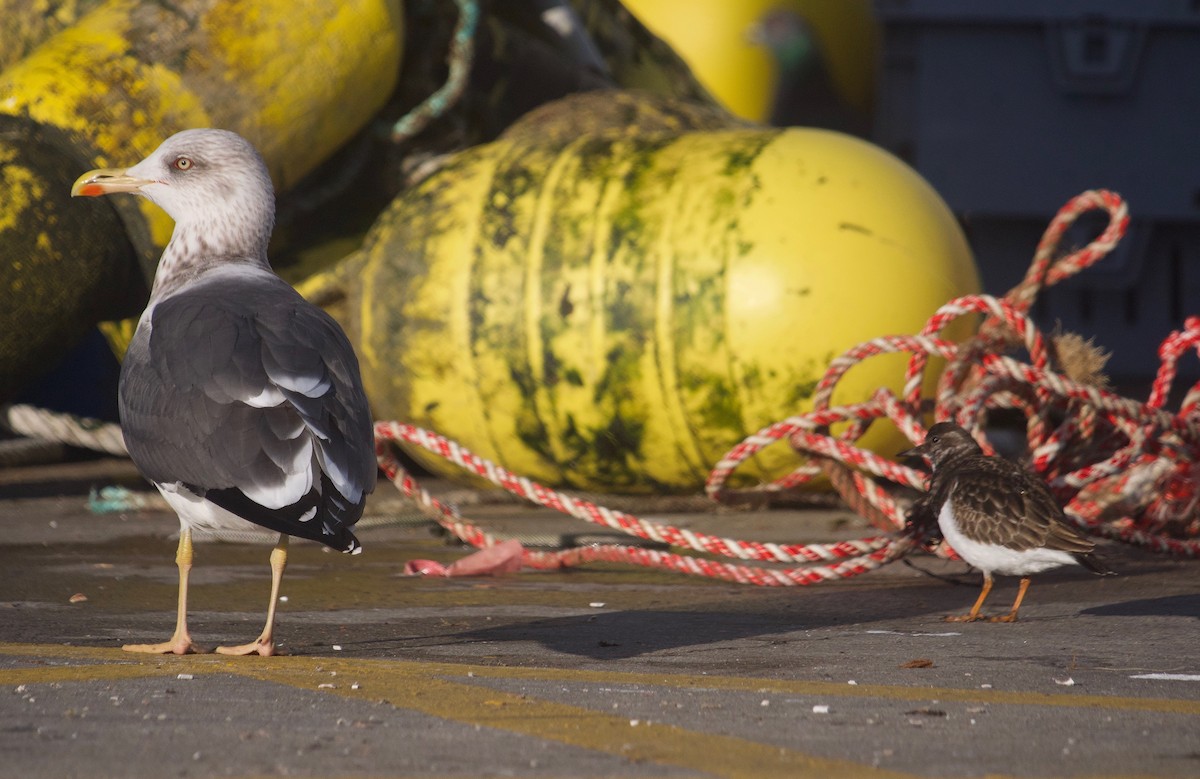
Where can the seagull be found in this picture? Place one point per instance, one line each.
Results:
(997, 516)
(239, 400)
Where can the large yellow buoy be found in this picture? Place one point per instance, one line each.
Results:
(615, 312)
(713, 37)
(298, 78)
(27, 23)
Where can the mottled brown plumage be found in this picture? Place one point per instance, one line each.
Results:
(997, 516)
(997, 502)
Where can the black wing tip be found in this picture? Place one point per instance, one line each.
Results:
(1093, 563)
(339, 538)
(344, 542)
(329, 522)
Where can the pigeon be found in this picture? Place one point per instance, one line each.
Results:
(997, 516)
(239, 400)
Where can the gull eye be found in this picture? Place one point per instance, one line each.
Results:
(182, 163)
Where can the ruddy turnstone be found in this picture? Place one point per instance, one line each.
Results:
(998, 517)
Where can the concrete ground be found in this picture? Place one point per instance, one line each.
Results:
(604, 671)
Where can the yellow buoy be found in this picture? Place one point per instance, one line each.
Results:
(29, 22)
(616, 312)
(298, 78)
(713, 37)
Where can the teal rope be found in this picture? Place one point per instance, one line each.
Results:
(462, 51)
(113, 500)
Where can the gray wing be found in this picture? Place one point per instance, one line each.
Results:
(247, 394)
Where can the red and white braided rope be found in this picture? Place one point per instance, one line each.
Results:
(833, 561)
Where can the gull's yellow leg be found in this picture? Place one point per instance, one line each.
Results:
(180, 643)
(265, 645)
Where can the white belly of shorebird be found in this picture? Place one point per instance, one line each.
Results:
(993, 558)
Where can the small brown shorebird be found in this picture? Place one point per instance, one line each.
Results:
(998, 517)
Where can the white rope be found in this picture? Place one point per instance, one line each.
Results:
(84, 432)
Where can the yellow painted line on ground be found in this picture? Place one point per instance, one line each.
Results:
(418, 687)
(76, 673)
(430, 688)
(834, 689)
(214, 663)
(413, 686)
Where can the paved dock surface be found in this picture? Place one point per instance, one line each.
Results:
(598, 672)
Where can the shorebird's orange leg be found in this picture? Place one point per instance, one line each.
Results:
(1012, 615)
(974, 613)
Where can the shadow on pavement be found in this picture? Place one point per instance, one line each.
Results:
(1167, 606)
(625, 634)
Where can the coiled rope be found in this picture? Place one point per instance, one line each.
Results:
(43, 425)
